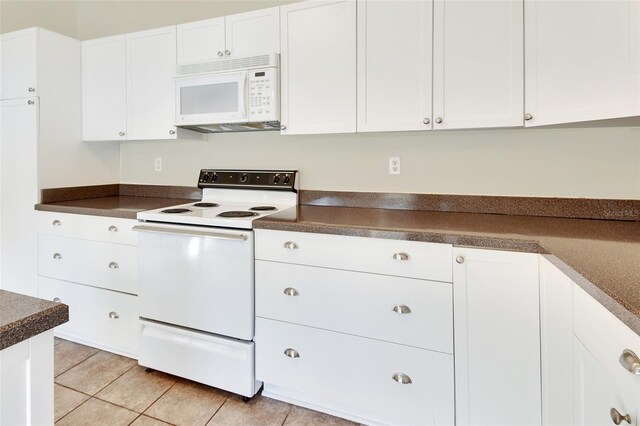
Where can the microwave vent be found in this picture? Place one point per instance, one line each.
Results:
(260, 61)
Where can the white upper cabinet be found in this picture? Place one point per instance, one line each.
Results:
(104, 89)
(318, 67)
(394, 65)
(582, 60)
(19, 64)
(151, 62)
(233, 36)
(478, 64)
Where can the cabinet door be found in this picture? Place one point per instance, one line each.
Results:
(318, 67)
(104, 89)
(477, 64)
(201, 41)
(597, 391)
(582, 60)
(253, 33)
(151, 64)
(18, 194)
(394, 65)
(19, 64)
(497, 337)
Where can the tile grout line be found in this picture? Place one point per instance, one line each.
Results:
(219, 408)
(78, 363)
(287, 416)
(156, 400)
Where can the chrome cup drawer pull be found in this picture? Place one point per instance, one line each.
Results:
(56, 300)
(291, 353)
(113, 315)
(290, 245)
(57, 256)
(617, 418)
(56, 223)
(629, 360)
(113, 265)
(113, 228)
(401, 309)
(401, 256)
(402, 378)
(290, 291)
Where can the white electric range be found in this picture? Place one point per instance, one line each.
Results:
(196, 277)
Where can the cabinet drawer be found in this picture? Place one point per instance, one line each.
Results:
(602, 334)
(357, 374)
(94, 263)
(98, 228)
(411, 259)
(358, 303)
(103, 318)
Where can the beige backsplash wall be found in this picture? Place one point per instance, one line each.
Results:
(590, 163)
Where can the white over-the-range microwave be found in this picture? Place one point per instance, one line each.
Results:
(241, 94)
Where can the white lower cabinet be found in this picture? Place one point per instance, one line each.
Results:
(90, 264)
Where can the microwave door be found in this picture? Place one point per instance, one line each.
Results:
(212, 99)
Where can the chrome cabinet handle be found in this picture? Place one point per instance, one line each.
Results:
(426, 121)
(290, 245)
(57, 256)
(113, 265)
(56, 223)
(617, 418)
(30, 102)
(121, 133)
(32, 89)
(172, 132)
(401, 309)
(291, 353)
(227, 53)
(528, 117)
(439, 120)
(459, 259)
(401, 256)
(283, 127)
(220, 54)
(290, 291)
(113, 228)
(56, 300)
(630, 361)
(402, 378)
(113, 315)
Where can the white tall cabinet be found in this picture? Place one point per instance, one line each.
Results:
(582, 60)
(477, 64)
(318, 67)
(497, 337)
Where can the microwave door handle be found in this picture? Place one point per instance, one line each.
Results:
(244, 99)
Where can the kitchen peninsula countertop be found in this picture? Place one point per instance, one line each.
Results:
(22, 317)
(602, 256)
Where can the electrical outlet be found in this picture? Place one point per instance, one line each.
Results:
(394, 166)
(157, 164)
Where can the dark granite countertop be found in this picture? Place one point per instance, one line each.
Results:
(124, 206)
(22, 317)
(602, 256)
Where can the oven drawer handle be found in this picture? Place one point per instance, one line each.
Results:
(189, 233)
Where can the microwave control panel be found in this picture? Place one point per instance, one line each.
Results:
(263, 95)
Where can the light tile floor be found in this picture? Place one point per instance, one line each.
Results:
(93, 387)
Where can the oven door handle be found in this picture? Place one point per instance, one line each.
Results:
(190, 233)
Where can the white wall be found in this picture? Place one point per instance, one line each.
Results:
(590, 163)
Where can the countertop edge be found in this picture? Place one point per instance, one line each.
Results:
(32, 325)
(86, 211)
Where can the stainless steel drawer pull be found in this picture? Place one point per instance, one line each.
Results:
(56, 300)
(291, 353)
(113, 265)
(113, 315)
(57, 256)
(618, 418)
(113, 228)
(290, 291)
(290, 245)
(56, 223)
(401, 256)
(630, 361)
(402, 378)
(460, 260)
(401, 309)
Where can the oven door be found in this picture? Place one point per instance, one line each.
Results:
(212, 99)
(197, 277)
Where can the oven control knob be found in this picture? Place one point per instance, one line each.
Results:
(214, 177)
(286, 179)
(205, 177)
(276, 179)
(244, 178)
